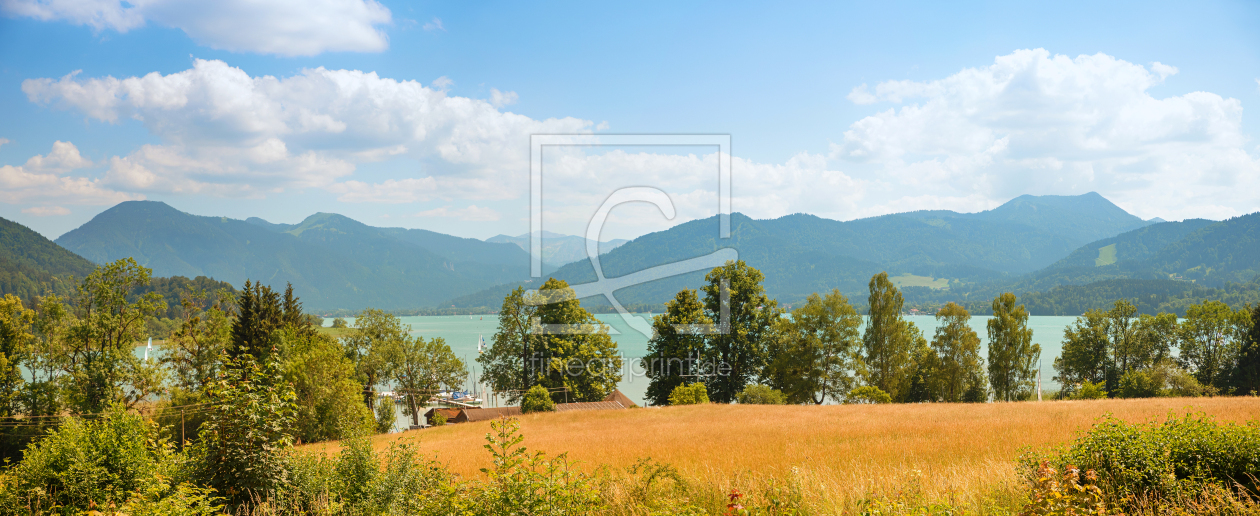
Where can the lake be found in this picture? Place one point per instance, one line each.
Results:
(462, 331)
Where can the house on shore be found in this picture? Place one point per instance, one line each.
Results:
(614, 401)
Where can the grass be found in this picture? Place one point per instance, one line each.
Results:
(836, 455)
(1106, 256)
(910, 280)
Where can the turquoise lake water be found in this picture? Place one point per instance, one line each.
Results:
(462, 331)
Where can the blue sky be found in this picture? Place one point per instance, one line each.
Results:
(964, 107)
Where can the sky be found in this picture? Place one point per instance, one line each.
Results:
(419, 114)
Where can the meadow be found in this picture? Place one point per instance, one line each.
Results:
(835, 457)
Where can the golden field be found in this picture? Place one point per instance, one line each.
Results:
(958, 453)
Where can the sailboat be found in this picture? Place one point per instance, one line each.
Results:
(147, 349)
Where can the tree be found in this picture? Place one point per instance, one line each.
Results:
(1211, 339)
(1154, 337)
(193, 351)
(325, 387)
(16, 343)
(737, 352)
(580, 360)
(1085, 357)
(422, 368)
(676, 347)
(374, 346)
(889, 340)
(1012, 355)
(258, 316)
(1121, 332)
(1247, 374)
(812, 356)
(957, 349)
(867, 395)
(510, 366)
(99, 362)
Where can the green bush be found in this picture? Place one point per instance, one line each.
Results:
(693, 394)
(1162, 463)
(1090, 391)
(90, 463)
(760, 395)
(537, 399)
(867, 394)
(339, 323)
(439, 419)
(529, 483)
(385, 415)
(1138, 384)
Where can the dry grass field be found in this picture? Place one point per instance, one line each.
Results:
(959, 453)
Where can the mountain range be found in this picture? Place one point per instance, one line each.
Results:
(1029, 244)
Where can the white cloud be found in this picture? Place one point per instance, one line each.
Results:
(224, 131)
(435, 24)
(500, 99)
(471, 213)
(41, 184)
(285, 27)
(1042, 124)
(64, 157)
(4, 141)
(46, 211)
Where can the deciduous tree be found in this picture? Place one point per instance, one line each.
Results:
(737, 352)
(676, 347)
(957, 349)
(1012, 355)
(812, 357)
(889, 340)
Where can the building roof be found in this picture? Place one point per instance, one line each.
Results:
(589, 405)
(619, 397)
(483, 414)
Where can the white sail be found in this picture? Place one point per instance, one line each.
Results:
(147, 349)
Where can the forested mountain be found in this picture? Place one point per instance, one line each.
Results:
(558, 249)
(332, 261)
(801, 254)
(31, 265)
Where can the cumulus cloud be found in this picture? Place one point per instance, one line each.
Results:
(286, 27)
(1038, 123)
(471, 213)
(41, 183)
(46, 211)
(64, 157)
(4, 141)
(225, 131)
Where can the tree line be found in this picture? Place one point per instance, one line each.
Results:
(75, 355)
(730, 337)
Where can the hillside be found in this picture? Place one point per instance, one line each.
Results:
(332, 261)
(31, 265)
(801, 254)
(558, 249)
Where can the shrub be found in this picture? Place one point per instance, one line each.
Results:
(693, 394)
(1138, 384)
(1067, 494)
(867, 394)
(244, 440)
(87, 463)
(339, 323)
(1163, 463)
(760, 395)
(537, 399)
(385, 415)
(1090, 391)
(525, 483)
(439, 419)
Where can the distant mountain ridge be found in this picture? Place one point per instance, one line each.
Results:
(801, 253)
(558, 249)
(333, 261)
